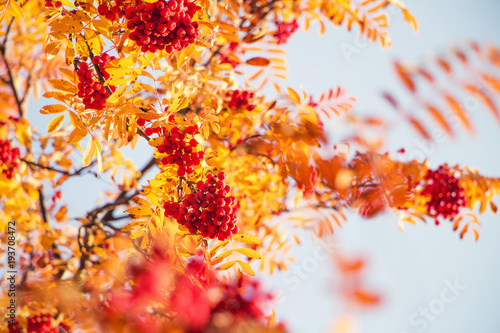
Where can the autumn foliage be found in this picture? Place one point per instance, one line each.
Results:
(183, 241)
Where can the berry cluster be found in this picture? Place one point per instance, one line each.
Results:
(240, 99)
(178, 147)
(446, 195)
(49, 3)
(90, 89)
(57, 196)
(113, 13)
(233, 48)
(9, 159)
(38, 324)
(285, 30)
(162, 25)
(207, 210)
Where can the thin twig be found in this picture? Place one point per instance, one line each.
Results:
(3, 51)
(64, 172)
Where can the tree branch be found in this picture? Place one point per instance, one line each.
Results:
(64, 172)
(120, 200)
(3, 52)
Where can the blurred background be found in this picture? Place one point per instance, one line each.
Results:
(430, 279)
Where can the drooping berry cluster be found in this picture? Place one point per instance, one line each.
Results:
(178, 147)
(38, 324)
(239, 99)
(445, 192)
(233, 48)
(90, 88)
(9, 159)
(207, 210)
(49, 3)
(162, 25)
(110, 11)
(285, 30)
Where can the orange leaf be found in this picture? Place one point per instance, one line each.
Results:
(403, 75)
(486, 100)
(419, 127)
(55, 108)
(56, 123)
(438, 116)
(366, 298)
(258, 61)
(460, 112)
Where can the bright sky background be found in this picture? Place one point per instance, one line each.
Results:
(410, 268)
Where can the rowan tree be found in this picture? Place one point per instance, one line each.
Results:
(236, 169)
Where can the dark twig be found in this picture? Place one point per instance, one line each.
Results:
(108, 89)
(3, 52)
(64, 172)
(120, 200)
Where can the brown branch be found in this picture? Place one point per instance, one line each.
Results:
(3, 52)
(64, 172)
(120, 200)
(43, 209)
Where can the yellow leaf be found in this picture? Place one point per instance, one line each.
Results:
(226, 265)
(55, 108)
(482, 208)
(55, 124)
(118, 93)
(145, 241)
(69, 53)
(137, 234)
(68, 3)
(246, 268)
(249, 253)
(215, 127)
(221, 257)
(99, 251)
(293, 95)
(246, 238)
(103, 27)
(76, 120)
(77, 135)
(63, 85)
(139, 211)
(253, 77)
(88, 154)
(119, 72)
(97, 147)
(14, 9)
(217, 247)
(155, 142)
(117, 81)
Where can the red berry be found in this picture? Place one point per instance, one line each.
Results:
(102, 9)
